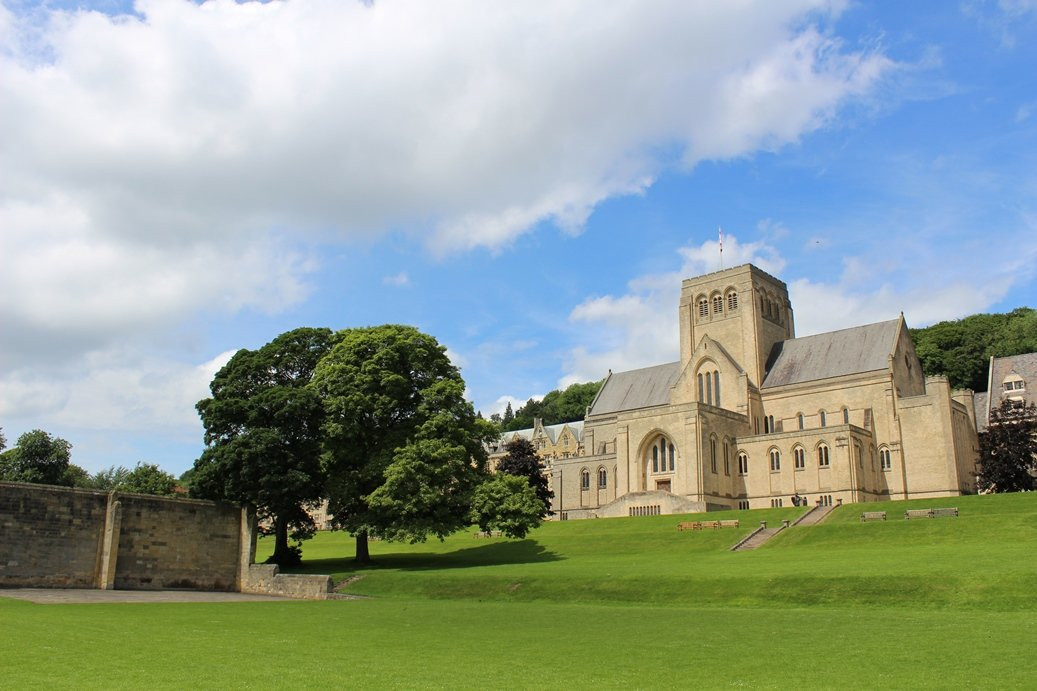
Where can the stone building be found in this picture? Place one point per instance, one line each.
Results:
(551, 442)
(752, 416)
(1012, 378)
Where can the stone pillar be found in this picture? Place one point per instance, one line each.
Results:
(110, 544)
(246, 545)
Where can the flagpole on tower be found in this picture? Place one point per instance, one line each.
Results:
(720, 231)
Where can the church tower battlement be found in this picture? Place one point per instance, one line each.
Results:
(744, 309)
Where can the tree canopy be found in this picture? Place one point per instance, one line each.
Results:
(507, 503)
(521, 460)
(1008, 449)
(403, 449)
(962, 349)
(263, 433)
(41, 458)
(557, 406)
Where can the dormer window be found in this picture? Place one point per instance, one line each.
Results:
(1014, 383)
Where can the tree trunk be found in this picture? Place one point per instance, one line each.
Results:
(362, 555)
(281, 553)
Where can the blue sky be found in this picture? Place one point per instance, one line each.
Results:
(526, 183)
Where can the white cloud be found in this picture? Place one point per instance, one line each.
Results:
(399, 280)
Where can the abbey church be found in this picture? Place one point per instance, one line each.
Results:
(753, 417)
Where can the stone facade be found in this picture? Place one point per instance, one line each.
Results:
(752, 417)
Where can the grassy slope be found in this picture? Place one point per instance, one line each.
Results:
(609, 603)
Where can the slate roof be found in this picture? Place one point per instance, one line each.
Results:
(1025, 366)
(639, 388)
(979, 406)
(833, 354)
(553, 432)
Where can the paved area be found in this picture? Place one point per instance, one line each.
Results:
(62, 596)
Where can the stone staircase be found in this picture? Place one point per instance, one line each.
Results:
(763, 533)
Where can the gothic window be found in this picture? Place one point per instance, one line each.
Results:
(885, 462)
(655, 459)
(718, 304)
(603, 478)
(732, 301)
(800, 458)
(713, 455)
(716, 388)
(709, 389)
(743, 504)
(743, 464)
(703, 307)
(846, 416)
(585, 479)
(671, 456)
(727, 459)
(775, 460)
(822, 456)
(768, 424)
(823, 418)
(702, 389)
(799, 419)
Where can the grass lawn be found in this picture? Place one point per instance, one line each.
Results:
(938, 603)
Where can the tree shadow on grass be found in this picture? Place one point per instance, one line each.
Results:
(492, 554)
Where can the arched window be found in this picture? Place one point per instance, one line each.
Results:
(661, 446)
(655, 459)
(716, 388)
(800, 458)
(703, 307)
(846, 416)
(885, 462)
(585, 479)
(775, 460)
(743, 463)
(768, 424)
(824, 420)
(732, 301)
(727, 458)
(859, 454)
(713, 454)
(603, 478)
(709, 389)
(671, 456)
(822, 455)
(718, 304)
(799, 419)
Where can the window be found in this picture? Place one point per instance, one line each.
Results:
(713, 455)
(718, 304)
(1015, 384)
(655, 459)
(822, 456)
(743, 464)
(799, 457)
(671, 456)
(860, 454)
(732, 301)
(603, 478)
(776, 503)
(799, 419)
(727, 459)
(824, 419)
(743, 504)
(703, 307)
(585, 479)
(885, 462)
(846, 416)
(709, 387)
(716, 388)
(775, 460)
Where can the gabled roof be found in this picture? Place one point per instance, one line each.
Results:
(1023, 366)
(833, 354)
(639, 388)
(552, 432)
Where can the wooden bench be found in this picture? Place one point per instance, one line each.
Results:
(947, 511)
(918, 513)
(873, 516)
(729, 524)
(711, 524)
(689, 525)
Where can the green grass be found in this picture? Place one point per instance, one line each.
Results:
(938, 603)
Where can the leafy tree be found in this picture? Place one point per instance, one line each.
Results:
(506, 503)
(75, 476)
(3, 440)
(1008, 449)
(509, 414)
(962, 349)
(263, 435)
(38, 457)
(148, 478)
(521, 460)
(403, 449)
(557, 406)
(110, 478)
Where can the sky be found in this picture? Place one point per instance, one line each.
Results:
(527, 182)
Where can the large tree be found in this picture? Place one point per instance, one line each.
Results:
(522, 461)
(263, 434)
(568, 405)
(38, 457)
(403, 449)
(1008, 449)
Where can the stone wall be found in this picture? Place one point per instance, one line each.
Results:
(50, 536)
(57, 537)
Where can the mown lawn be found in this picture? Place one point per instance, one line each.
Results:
(940, 603)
